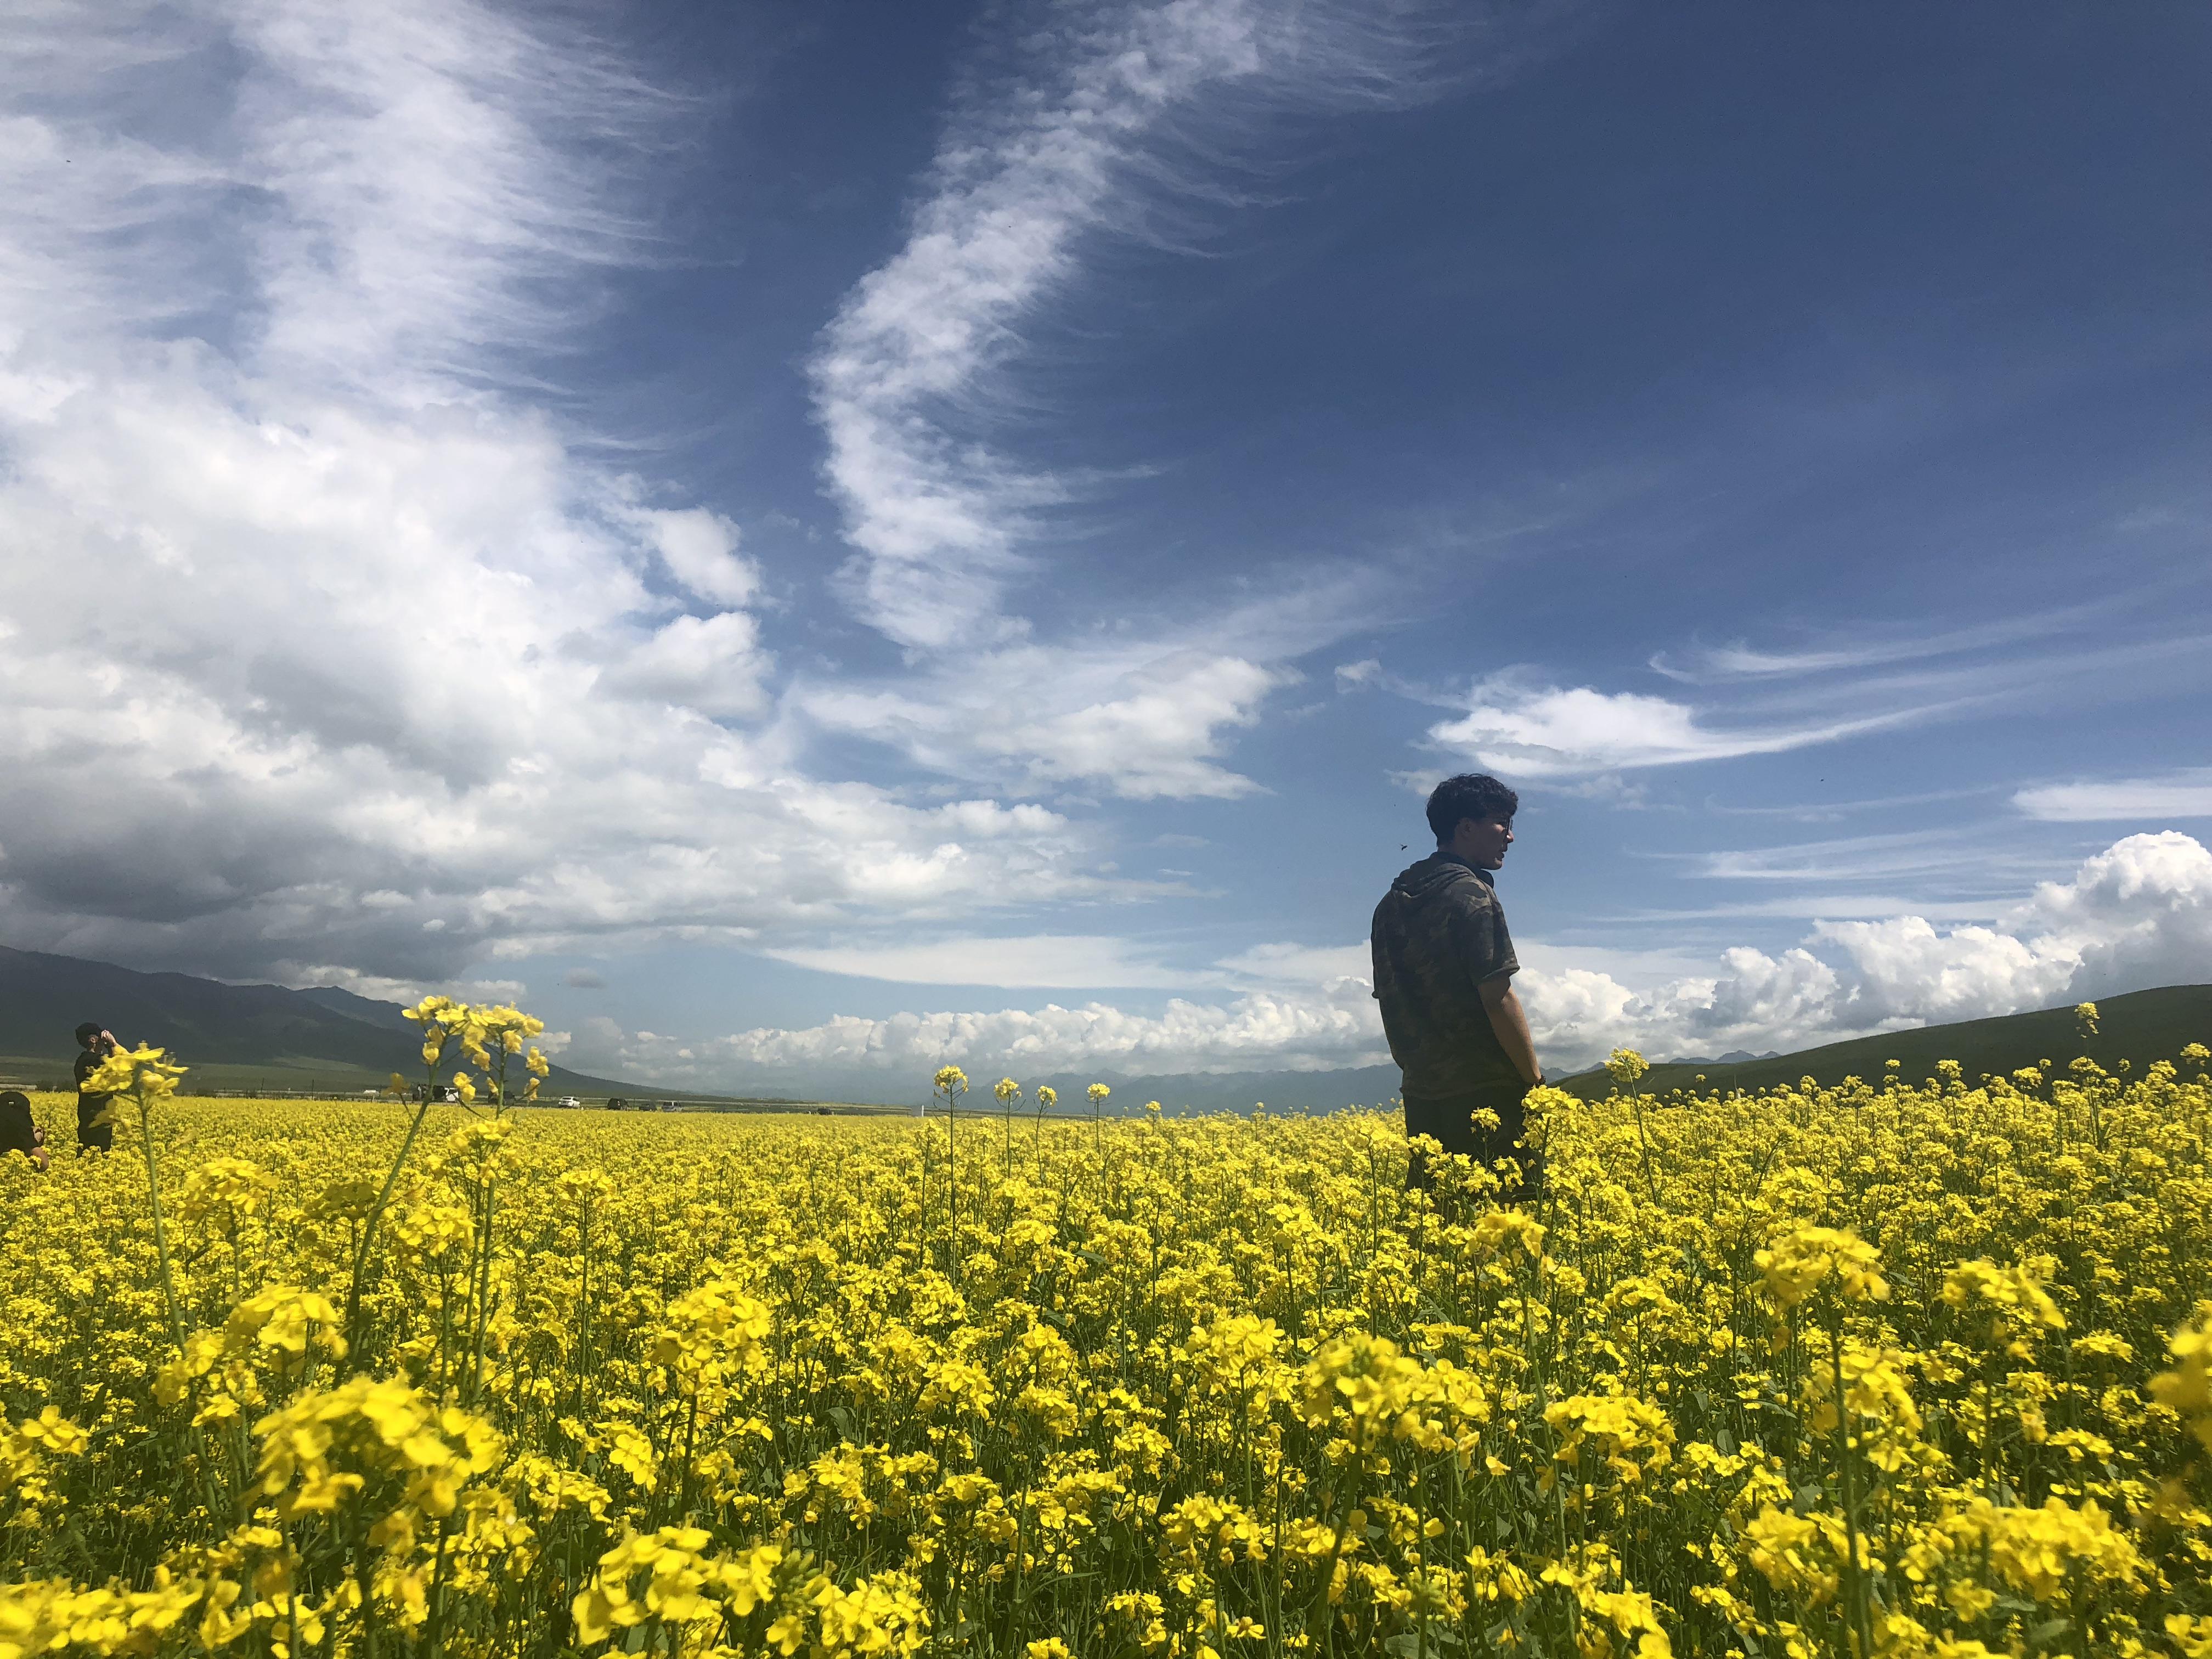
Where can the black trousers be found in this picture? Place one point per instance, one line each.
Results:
(1450, 1119)
(100, 1137)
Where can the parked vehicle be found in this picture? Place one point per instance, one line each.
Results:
(570, 1100)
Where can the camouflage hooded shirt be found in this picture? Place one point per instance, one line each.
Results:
(1438, 933)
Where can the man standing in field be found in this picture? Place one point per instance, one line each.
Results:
(1443, 973)
(92, 1133)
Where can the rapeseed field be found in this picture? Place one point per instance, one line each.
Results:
(1911, 1367)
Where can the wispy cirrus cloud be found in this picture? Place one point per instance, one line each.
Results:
(2186, 794)
(1043, 961)
(1106, 126)
(1523, 727)
(1706, 665)
(1524, 724)
(1089, 136)
(1914, 854)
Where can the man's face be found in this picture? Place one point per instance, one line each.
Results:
(1482, 841)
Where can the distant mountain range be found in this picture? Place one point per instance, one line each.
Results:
(232, 1036)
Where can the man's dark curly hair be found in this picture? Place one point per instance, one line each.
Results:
(1469, 795)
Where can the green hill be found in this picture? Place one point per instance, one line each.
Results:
(233, 1036)
(2139, 1027)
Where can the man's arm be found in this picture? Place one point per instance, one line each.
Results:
(1510, 1021)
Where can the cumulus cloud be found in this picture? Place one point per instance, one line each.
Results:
(2137, 913)
(713, 665)
(1257, 1030)
(700, 548)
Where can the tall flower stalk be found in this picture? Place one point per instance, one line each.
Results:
(447, 1024)
(1046, 1098)
(1008, 1092)
(951, 1083)
(1097, 1091)
(142, 1076)
(441, 1019)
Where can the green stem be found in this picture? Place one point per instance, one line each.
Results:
(213, 1496)
(1862, 1622)
(483, 1296)
(376, 1211)
(161, 1233)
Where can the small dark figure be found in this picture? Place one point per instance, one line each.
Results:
(97, 1044)
(1443, 973)
(19, 1132)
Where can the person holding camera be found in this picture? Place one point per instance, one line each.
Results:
(94, 1132)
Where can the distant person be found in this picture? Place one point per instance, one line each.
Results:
(97, 1044)
(19, 1132)
(1443, 973)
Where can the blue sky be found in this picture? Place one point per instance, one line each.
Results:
(806, 541)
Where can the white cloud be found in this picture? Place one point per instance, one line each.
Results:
(1526, 729)
(1920, 853)
(1739, 660)
(1519, 723)
(712, 663)
(379, 988)
(1287, 964)
(1906, 967)
(1040, 961)
(2183, 794)
(700, 548)
(1146, 719)
(1157, 739)
(1258, 1031)
(2138, 913)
